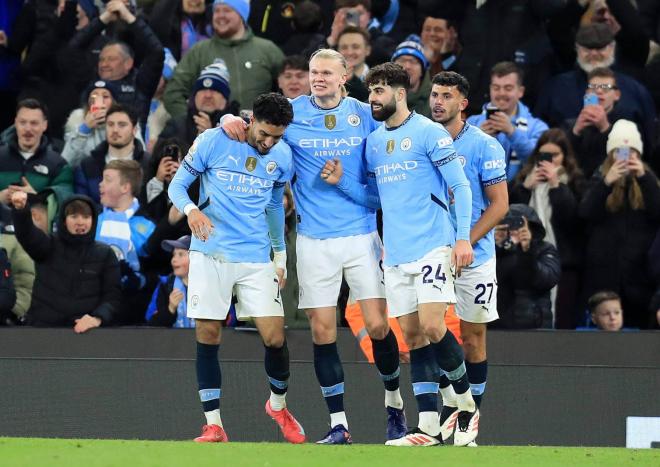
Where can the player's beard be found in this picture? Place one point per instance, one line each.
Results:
(385, 112)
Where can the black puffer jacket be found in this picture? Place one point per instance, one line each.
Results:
(525, 278)
(618, 244)
(75, 275)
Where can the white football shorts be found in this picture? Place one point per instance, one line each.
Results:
(427, 280)
(321, 263)
(476, 293)
(211, 284)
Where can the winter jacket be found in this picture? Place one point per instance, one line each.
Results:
(89, 173)
(517, 147)
(525, 278)
(45, 169)
(22, 269)
(7, 289)
(569, 234)
(618, 244)
(75, 275)
(253, 65)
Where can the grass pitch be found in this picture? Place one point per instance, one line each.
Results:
(93, 453)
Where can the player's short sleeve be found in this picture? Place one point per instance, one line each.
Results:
(492, 166)
(439, 144)
(196, 160)
(286, 165)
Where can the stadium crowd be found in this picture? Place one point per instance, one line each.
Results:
(101, 100)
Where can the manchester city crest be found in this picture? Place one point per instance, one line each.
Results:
(251, 164)
(390, 146)
(406, 143)
(270, 167)
(353, 120)
(330, 121)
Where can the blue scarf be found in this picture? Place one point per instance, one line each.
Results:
(115, 230)
(182, 321)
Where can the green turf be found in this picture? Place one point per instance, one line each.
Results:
(92, 453)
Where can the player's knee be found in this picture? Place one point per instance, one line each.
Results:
(378, 330)
(275, 340)
(432, 330)
(323, 333)
(207, 333)
(414, 338)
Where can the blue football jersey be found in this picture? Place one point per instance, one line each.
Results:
(316, 135)
(484, 163)
(237, 185)
(413, 166)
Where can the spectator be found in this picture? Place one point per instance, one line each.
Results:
(527, 269)
(208, 102)
(303, 33)
(410, 55)
(51, 72)
(353, 44)
(77, 279)
(252, 61)
(85, 128)
(7, 289)
(358, 13)
(618, 17)
(170, 223)
(124, 226)
(168, 303)
(506, 118)
(589, 131)
(621, 207)
(22, 271)
(117, 61)
(552, 183)
(562, 96)
(180, 24)
(495, 31)
(441, 46)
(293, 80)
(121, 142)
(27, 162)
(606, 310)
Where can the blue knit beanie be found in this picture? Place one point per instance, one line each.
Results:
(242, 7)
(214, 76)
(413, 48)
